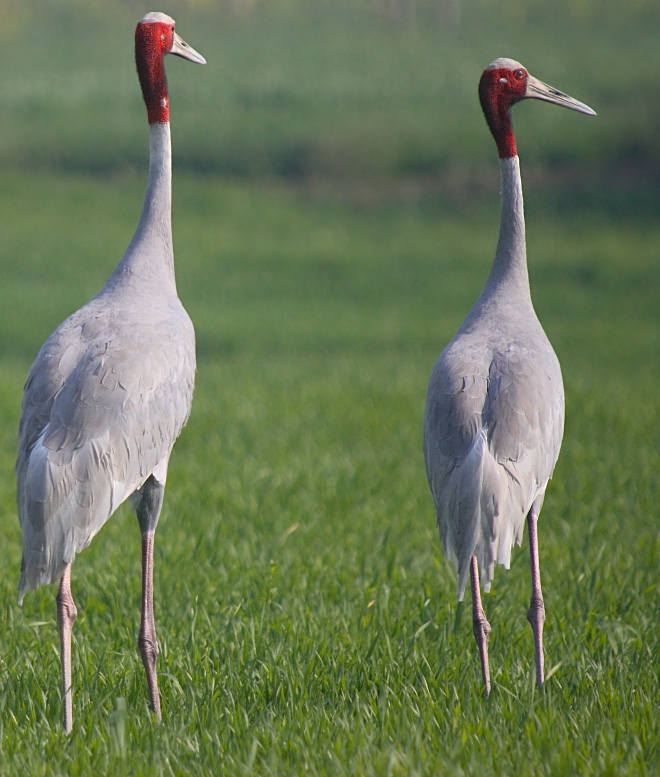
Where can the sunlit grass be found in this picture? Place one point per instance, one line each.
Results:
(306, 617)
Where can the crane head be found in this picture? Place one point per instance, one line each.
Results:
(155, 35)
(506, 82)
(154, 38)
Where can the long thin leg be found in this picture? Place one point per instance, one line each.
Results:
(148, 512)
(536, 612)
(147, 640)
(480, 625)
(66, 615)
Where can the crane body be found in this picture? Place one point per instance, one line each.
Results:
(110, 391)
(494, 414)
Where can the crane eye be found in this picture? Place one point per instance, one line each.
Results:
(519, 73)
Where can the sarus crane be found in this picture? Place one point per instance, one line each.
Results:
(494, 415)
(110, 391)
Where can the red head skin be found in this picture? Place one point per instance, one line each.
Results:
(153, 40)
(499, 89)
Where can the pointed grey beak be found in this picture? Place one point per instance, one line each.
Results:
(539, 91)
(182, 49)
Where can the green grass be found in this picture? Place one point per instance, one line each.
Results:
(306, 616)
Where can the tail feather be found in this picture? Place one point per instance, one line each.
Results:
(481, 512)
(61, 509)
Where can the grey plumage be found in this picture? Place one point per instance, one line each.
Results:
(495, 409)
(495, 404)
(494, 416)
(107, 395)
(492, 431)
(106, 398)
(110, 391)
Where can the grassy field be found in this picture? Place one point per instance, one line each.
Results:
(307, 619)
(335, 216)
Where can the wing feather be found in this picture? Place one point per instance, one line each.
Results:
(492, 431)
(102, 407)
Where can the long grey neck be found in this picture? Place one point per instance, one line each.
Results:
(150, 256)
(508, 274)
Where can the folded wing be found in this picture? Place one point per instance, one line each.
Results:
(102, 409)
(492, 432)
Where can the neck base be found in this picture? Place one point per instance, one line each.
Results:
(150, 256)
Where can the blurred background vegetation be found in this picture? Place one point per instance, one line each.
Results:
(360, 98)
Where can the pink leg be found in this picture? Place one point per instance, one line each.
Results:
(480, 625)
(66, 615)
(536, 612)
(147, 639)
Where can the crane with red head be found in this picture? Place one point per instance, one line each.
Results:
(110, 391)
(494, 415)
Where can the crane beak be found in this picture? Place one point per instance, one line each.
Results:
(182, 49)
(539, 91)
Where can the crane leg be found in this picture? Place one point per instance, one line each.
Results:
(480, 625)
(148, 512)
(536, 612)
(66, 616)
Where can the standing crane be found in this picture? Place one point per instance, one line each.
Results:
(494, 415)
(110, 391)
